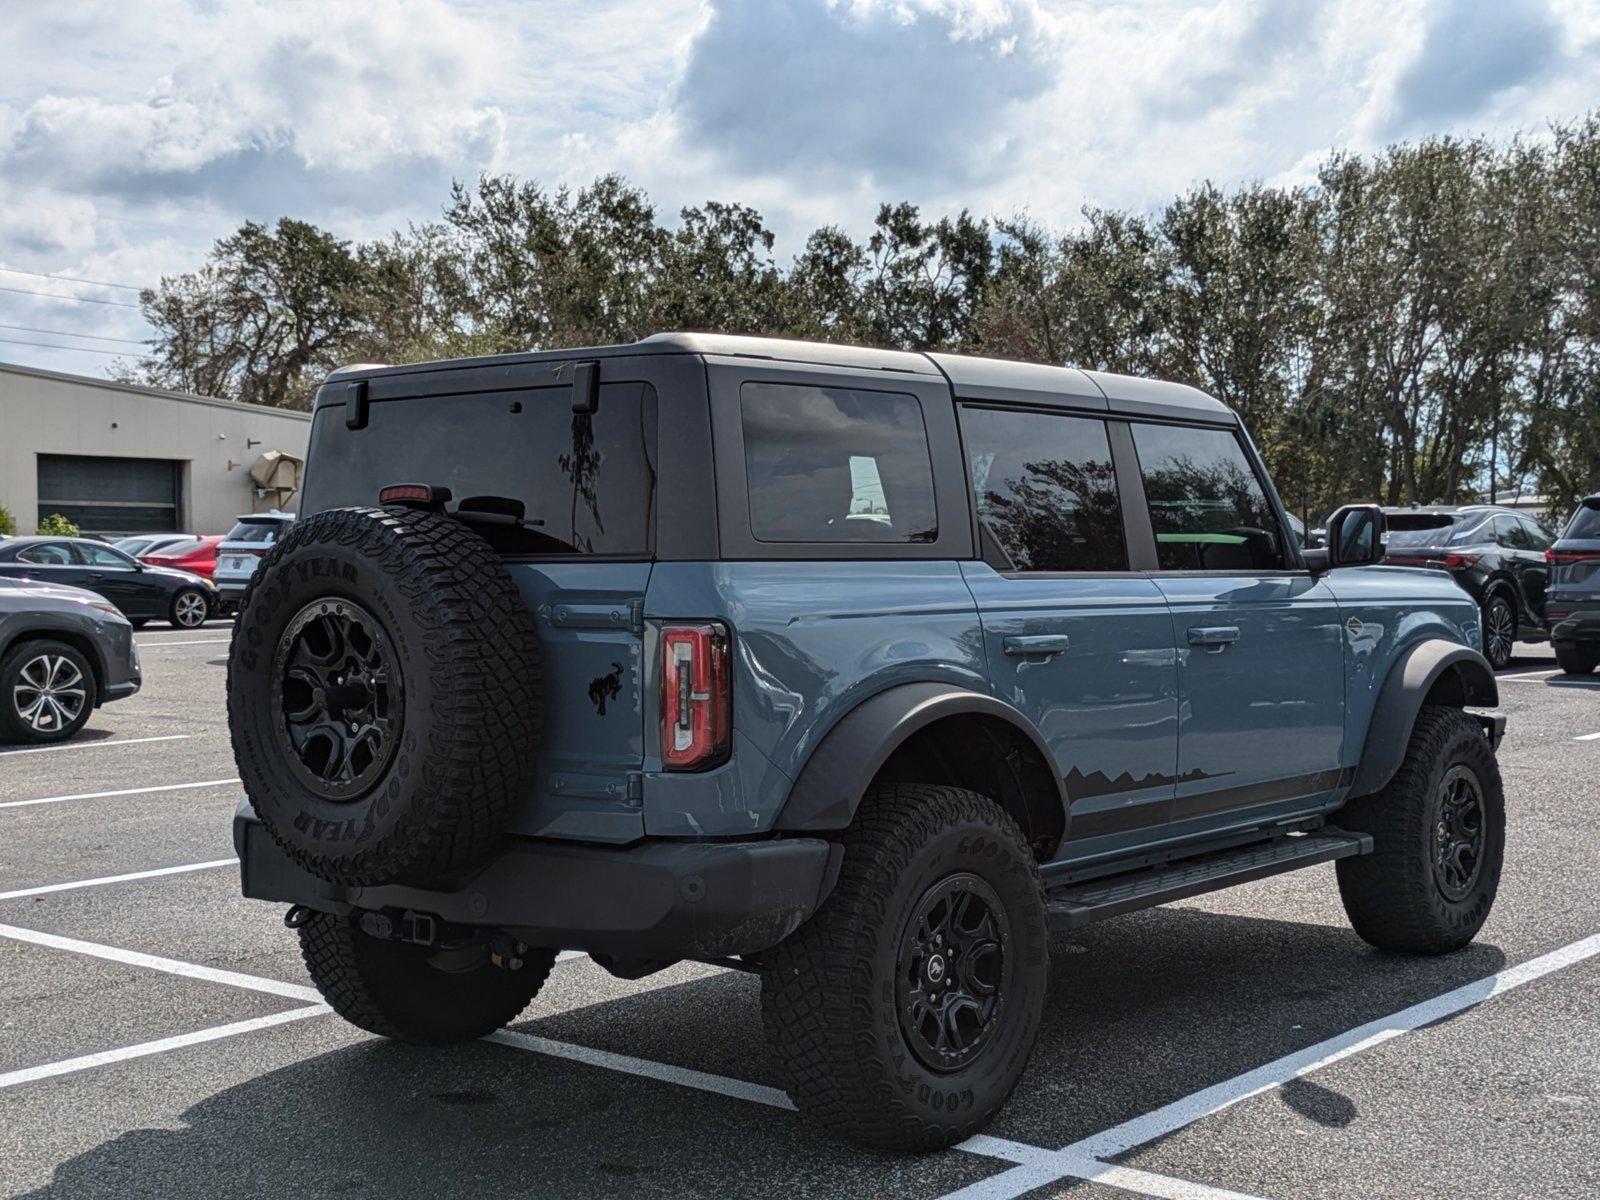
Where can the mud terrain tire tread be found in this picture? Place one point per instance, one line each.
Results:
(1390, 895)
(474, 744)
(388, 988)
(822, 1011)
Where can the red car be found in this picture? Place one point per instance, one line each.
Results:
(199, 557)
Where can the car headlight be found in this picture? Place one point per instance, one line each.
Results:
(106, 606)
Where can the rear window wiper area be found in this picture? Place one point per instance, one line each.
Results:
(502, 521)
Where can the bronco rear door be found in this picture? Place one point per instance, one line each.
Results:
(571, 471)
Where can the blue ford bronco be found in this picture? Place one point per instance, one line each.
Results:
(860, 669)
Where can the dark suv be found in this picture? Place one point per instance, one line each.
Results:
(1573, 597)
(863, 670)
(1496, 554)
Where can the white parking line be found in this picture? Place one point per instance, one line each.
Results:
(1180, 1113)
(45, 889)
(1530, 674)
(1588, 737)
(85, 1062)
(144, 791)
(197, 642)
(172, 966)
(166, 737)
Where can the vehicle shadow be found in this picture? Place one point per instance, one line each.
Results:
(1143, 1010)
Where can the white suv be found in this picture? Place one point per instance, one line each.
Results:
(241, 553)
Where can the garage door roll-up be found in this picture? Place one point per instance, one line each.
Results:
(110, 495)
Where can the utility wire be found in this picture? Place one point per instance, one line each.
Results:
(73, 299)
(79, 349)
(127, 287)
(97, 337)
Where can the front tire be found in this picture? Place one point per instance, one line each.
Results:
(1439, 831)
(903, 1013)
(411, 993)
(189, 609)
(47, 692)
(1499, 631)
(1577, 660)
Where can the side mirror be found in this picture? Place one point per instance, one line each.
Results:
(1356, 537)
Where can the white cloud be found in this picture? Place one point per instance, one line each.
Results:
(133, 132)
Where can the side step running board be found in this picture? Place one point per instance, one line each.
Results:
(1079, 904)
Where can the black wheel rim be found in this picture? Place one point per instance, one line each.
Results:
(1499, 634)
(339, 698)
(1458, 833)
(951, 970)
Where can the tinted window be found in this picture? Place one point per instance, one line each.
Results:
(263, 532)
(133, 545)
(1207, 507)
(1539, 538)
(178, 549)
(1585, 523)
(1508, 532)
(1473, 530)
(1420, 529)
(584, 481)
(1045, 489)
(836, 465)
(103, 556)
(49, 554)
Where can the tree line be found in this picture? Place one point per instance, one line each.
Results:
(1419, 325)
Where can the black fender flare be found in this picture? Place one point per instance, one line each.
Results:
(829, 787)
(1411, 677)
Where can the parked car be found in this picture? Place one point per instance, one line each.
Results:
(861, 669)
(139, 544)
(1572, 600)
(64, 652)
(1495, 554)
(140, 591)
(241, 552)
(197, 556)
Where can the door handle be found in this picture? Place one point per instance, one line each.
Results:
(1215, 637)
(1036, 643)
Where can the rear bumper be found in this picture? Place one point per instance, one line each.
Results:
(655, 900)
(1579, 628)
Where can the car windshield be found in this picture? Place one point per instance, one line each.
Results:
(265, 532)
(1585, 523)
(1420, 529)
(177, 549)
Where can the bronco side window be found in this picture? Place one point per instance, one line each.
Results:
(1207, 507)
(1046, 489)
(827, 464)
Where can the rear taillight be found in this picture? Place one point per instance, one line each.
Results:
(1571, 556)
(696, 697)
(1454, 562)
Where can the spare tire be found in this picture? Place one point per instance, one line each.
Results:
(383, 695)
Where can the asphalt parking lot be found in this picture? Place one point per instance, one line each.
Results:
(160, 1037)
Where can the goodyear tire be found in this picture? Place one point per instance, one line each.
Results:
(429, 995)
(1439, 836)
(383, 695)
(902, 1014)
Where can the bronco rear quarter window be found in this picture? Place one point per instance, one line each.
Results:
(1208, 509)
(585, 481)
(825, 464)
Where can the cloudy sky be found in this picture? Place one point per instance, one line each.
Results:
(135, 132)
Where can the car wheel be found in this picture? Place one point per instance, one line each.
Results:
(902, 1014)
(1499, 631)
(189, 609)
(1578, 660)
(47, 692)
(1439, 831)
(434, 995)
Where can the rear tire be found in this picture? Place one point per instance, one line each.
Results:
(189, 609)
(1439, 832)
(1499, 630)
(873, 1048)
(415, 993)
(1577, 660)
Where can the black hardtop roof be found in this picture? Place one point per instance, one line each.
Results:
(971, 377)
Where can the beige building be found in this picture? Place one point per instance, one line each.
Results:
(115, 458)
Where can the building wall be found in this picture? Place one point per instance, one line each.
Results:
(45, 412)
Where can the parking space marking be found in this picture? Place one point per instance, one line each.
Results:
(1531, 674)
(22, 893)
(196, 642)
(166, 737)
(172, 966)
(144, 791)
(1186, 1111)
(1588, 737)
(85, 1062)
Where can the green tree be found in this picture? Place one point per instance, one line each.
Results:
(55, 525)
